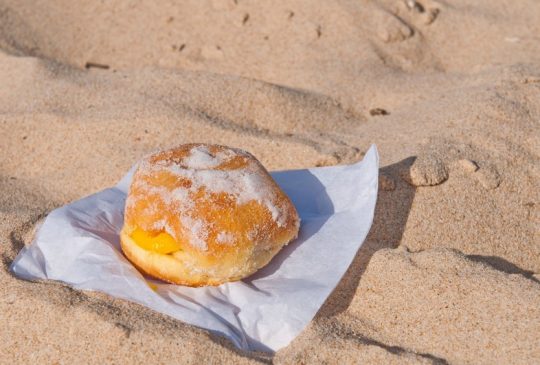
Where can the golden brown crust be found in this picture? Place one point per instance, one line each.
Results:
(219, 204)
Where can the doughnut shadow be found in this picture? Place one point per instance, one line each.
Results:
(314, 206)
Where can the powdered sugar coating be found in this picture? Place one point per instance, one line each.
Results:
(225, 237)
(230, 171)
(200, 158)
(197, 230)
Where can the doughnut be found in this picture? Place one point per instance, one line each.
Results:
(202, 214)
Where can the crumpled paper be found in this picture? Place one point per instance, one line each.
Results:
(78, 244)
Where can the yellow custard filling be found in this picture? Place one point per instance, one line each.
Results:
(161, 242)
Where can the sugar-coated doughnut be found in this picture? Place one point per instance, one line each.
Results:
(205, 214)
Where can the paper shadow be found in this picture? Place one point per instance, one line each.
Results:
(394, 202)
(314, 206)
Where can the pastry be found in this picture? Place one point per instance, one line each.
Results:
(204, 214)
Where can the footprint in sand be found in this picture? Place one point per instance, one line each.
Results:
(435, 163)
(389, 27)
(488, 177)
(467, 165)
(424, 14)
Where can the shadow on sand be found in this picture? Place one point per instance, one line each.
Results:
(391, 213)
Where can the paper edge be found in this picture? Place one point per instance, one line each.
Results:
(372, 150)
(123, 185)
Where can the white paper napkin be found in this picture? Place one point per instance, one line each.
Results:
(78, 244)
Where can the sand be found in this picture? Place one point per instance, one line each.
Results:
(449, 92)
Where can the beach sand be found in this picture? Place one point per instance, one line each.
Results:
(449, 92)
